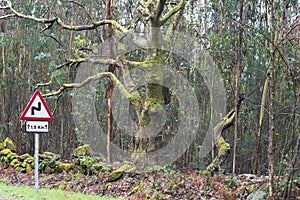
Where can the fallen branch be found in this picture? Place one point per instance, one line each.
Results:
(222, 145)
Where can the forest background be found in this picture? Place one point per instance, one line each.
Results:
(254, 45)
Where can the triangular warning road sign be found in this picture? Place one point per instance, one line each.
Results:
(37, 109)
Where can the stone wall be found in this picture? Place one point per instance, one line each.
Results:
(82, 160)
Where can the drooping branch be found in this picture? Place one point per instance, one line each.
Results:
(71, 62)
(172, 12)
(105, 61)
(7, 16)
(133, 96)
(88, 80)
(59, 21)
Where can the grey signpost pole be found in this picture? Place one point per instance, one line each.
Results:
(36, 162)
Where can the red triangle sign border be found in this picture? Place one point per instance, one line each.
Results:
(36, 94)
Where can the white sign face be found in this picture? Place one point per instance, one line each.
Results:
(37, 126)
(37, 109)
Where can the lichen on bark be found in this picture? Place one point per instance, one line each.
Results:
(224, 150)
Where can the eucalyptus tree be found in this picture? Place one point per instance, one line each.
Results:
(255, 80)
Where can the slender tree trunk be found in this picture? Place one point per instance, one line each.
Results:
(271, 147)
(3, 114)
(258, 135)
(111, 68)
(292, 170)
(3, 89)
(211, 111)
(237, 83)
(61, 147)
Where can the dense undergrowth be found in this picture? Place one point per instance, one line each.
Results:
(155, 183)
(91, 175)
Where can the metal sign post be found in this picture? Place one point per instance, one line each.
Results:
(36, 162)
(37, 115)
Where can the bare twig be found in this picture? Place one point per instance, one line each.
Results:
(84, 8)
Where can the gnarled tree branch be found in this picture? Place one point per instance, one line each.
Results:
(59, 21)
(7, 16)
(88, 80)
(172, 12)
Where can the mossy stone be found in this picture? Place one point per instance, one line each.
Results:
(8, 144)
(29, 160)
(127, 167)
(63, 166)
(124, 166)
(14, 163)
(99, 166)
(131, 170)
(1, 146)
(25, 156)
(115, 175)
(84, 150)
(23, 165)
(12, 156)
(5, 152)
(28, 168)
(49, 156)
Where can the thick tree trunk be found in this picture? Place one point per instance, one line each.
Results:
(154, 102)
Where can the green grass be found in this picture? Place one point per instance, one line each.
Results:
(27, 193)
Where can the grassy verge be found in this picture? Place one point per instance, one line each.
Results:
(8, 192)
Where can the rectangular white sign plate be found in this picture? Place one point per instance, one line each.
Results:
(37, 126)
